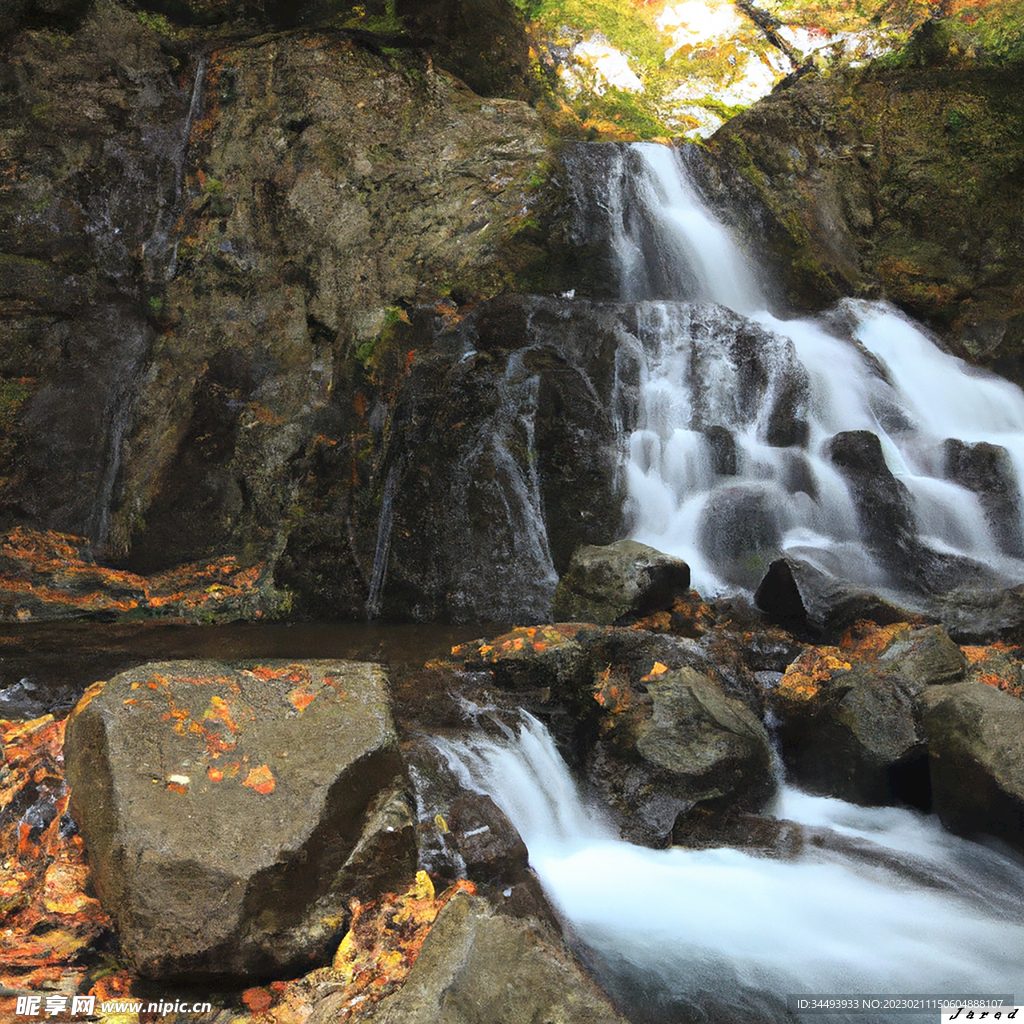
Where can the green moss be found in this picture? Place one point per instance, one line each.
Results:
(14, 391)
(155, 23)
(631, 114)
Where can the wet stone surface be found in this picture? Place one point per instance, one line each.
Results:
(231, 811)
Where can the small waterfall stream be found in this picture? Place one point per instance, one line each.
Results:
(722, 936)
(728, 465)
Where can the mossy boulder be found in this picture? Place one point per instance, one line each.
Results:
(842, 177)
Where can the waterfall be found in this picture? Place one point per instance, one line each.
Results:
(505, 572)
(731, 461)
(719, 935)
(382, 551)
(159, 254)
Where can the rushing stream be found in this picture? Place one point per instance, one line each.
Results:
(723, 936)
(728, 464)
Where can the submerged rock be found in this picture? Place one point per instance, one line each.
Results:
(620, 582)
(231, 812)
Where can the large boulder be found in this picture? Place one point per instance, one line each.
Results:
(674, 741)
(848, 719)
(230, 812)
(804, 598)
(618, 583)
(478, 967)
(975, 735)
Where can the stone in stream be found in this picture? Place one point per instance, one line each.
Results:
(848, 717)
(674, 741)
(230, 811)
(975, 735)
(799, 596)
(988, 470)
(480, 967)
(619, 582)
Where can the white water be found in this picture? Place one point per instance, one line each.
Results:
(726, 933)
(866, 367)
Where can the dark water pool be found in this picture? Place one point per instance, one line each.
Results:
(46, 666)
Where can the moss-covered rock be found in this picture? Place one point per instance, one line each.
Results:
(899, 179)
(481, 41)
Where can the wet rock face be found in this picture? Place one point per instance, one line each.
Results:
(93, 155)
(844, 174)
(208, 274)
(976, 759)
(675, 741)
(618, 582)
(231, 811)
(502, 457)
(358, 196)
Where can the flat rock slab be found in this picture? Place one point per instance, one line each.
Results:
(231, 811)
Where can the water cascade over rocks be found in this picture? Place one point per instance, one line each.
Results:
(849, 441)
(894, 905)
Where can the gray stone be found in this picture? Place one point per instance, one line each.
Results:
(231, 811)
(618, 582)
(800, 596)
(479, 967)
(683, 742)
(975, 736)
(924, 657)
(859, 736)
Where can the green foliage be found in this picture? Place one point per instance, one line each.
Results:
(155, 22)
(629, 112)
(626, 27)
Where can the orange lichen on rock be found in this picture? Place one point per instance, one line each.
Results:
(523, 639)
(384, 939)
(261, 779)
(689, 615)
(997, 665)
(803, 678)
(612, 691)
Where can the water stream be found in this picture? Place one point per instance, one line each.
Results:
(721, 936)
(728, 464)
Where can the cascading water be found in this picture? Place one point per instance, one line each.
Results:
(731, 462)
(723, 936)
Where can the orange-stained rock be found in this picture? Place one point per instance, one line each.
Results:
(45, 575)
(228, 829)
